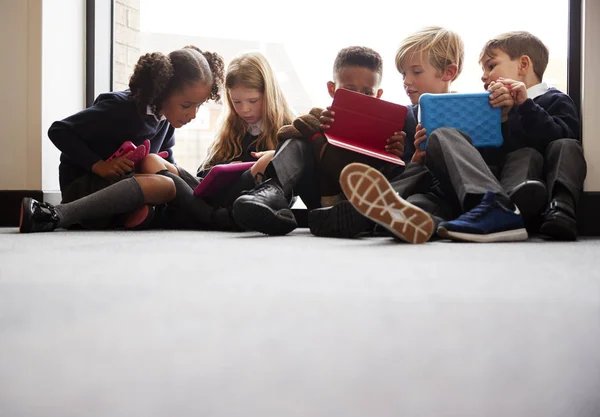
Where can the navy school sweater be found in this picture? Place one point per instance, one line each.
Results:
(537, 122)
(95, 133)
(410, 127)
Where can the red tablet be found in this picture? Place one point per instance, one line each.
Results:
(363, 124)
(221, 176)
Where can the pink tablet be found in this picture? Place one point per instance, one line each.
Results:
(221, 176)
(137, 153)
(363, 124)
(126, 147)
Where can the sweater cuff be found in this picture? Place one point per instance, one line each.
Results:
(528, 106)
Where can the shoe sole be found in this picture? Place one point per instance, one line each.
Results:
(261, 218)
(558, 231)
(516, 235)
(342, 221)
(138, 218)
(531, 198)
(372, 195)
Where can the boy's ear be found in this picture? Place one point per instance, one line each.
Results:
(450, 72)
(524, 64)
(331, 88)
(379, 93)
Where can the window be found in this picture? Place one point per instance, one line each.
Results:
(301, 40)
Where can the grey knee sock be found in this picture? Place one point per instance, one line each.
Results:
(186, 201)
(121, 197)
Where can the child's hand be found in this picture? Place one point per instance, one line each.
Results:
(259, 155)
(263, 160)
(114, 168)
(326, 118)
(395, 144)
(420, 136)
(500, 97)
(517, 89)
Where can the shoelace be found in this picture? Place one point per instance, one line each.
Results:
(478, 211)
(265, 187)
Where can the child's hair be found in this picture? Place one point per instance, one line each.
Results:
(517, 44)
(250, 70)
(156, 76)
(443, 47)
(358, 56)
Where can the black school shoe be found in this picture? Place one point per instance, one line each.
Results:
(530, 197)
(265, 209)
(340, 220)
(37, 217)
(559, 221)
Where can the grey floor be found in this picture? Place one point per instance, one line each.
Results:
(215, 324)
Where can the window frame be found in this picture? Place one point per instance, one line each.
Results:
(99, 48)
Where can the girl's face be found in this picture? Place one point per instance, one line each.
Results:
(421, 77)
(247, 103)
(181, 107)
(497, 65)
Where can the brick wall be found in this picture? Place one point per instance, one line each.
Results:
(126, 41)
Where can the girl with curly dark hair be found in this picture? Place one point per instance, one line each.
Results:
(255, 110)
(165, 92)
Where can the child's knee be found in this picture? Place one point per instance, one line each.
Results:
(443, 139)
(157, 189)
(558, 144)
(167, 187)
(151, 164)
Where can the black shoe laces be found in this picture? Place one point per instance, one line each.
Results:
(267, 188)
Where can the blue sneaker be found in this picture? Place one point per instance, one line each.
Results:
(487, 222)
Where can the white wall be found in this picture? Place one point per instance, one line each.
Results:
(63, 75)
(591, 99)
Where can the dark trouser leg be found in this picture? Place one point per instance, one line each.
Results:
(294, 168)
(521, 177)
(334, 159)
(463, 174)
(418, 186)
(565, 172)
(520, 166)
(436, 207)
(565, 167)
(416, 178)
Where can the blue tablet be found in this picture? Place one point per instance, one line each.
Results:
(470, 113)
